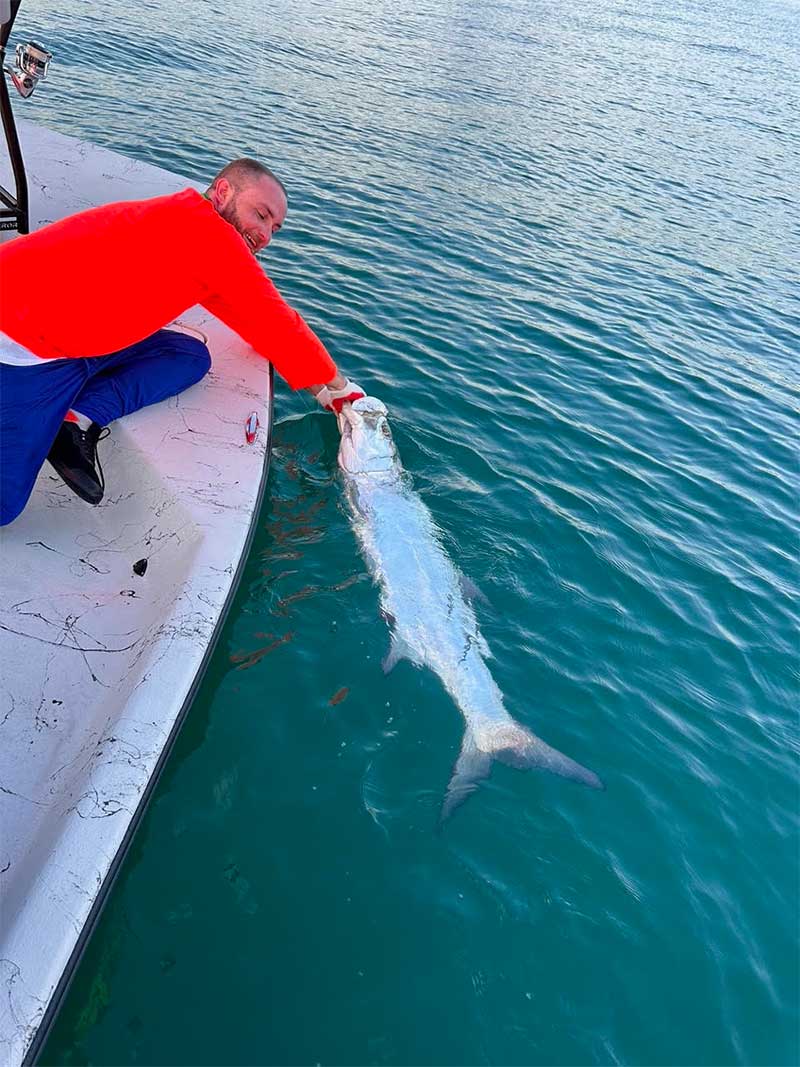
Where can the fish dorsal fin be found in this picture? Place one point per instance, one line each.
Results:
(470, 591)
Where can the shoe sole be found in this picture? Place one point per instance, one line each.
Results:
(65, 475)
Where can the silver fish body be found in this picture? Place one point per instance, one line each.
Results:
(428, 605)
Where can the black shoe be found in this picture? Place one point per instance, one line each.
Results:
(74, 458)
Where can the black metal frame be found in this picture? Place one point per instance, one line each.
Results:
(13, 209)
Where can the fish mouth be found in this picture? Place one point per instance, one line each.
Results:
(344, 420)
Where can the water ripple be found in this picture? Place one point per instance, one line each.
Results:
(560, 244)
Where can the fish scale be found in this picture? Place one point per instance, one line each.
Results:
(423, 596)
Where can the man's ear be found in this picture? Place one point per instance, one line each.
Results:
(221, 192)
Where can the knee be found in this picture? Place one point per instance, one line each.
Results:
(194, 355)
(9, 512)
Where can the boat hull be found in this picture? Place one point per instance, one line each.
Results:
(100, 653)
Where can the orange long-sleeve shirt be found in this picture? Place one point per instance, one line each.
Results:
(96, 282)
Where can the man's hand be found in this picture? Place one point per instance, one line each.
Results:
(332, 398)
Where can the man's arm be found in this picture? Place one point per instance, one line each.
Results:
(262, 317)
(239, 293)
(335, 383)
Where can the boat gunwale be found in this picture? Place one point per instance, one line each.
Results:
(58, 996)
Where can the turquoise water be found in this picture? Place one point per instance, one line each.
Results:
(560, 241)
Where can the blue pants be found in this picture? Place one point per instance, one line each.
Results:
(34, 400)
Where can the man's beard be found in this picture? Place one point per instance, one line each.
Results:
(231, 215)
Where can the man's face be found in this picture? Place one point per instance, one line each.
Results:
(256, 209)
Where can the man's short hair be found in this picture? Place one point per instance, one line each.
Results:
(239, 171)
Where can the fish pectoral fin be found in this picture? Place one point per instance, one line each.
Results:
(397, 651)
(472, 766)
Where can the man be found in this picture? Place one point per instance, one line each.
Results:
(83, 303)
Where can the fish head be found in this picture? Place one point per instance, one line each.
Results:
(367, 446)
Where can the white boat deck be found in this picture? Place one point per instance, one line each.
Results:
(98, 663)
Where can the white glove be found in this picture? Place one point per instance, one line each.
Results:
(332, 399)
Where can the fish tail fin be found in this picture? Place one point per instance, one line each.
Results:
(472, 766)
(517, 747)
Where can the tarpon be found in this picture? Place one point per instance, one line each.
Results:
(429, 605)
